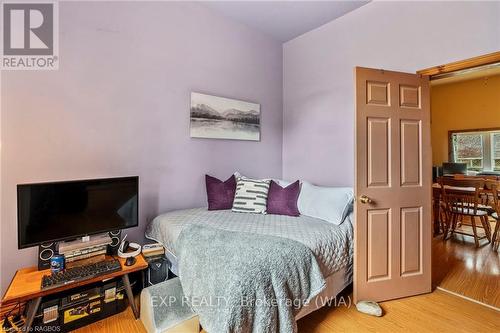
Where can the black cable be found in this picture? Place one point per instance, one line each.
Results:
(6, 316)
(10, 311)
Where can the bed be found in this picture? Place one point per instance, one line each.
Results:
(331, 244)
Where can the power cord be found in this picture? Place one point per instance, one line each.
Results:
(7, 324)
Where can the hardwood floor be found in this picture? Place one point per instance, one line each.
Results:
(460, 267)
(121, 322)
(435, 312)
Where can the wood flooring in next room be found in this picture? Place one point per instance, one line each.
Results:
(459, 266)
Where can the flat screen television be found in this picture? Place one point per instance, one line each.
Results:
(454, 169)
(49, 212)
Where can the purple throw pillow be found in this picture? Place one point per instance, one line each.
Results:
(220, 194)
(283, 201)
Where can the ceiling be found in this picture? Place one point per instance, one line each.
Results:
(283, 20)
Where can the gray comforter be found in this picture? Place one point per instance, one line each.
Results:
(243, 282)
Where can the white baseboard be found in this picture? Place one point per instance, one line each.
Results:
(469, 299)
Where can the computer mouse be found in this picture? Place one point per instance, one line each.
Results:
(130, 261)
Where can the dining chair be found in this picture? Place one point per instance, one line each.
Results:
(495, 188)
(462, 198)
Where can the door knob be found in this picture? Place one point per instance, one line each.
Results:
(365, 200)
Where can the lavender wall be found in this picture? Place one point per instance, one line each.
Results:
(318, 138)
(119, 105)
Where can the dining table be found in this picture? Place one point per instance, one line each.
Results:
(486, 192)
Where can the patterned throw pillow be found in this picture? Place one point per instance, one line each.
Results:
(251, 195)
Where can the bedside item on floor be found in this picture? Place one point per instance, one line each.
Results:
(153, 250)
(128, 249)
(370, 308)
(80, 273)
(158, 269)
(220, 194)
(174, 316)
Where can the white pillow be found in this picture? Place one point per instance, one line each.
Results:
(331, 204)
(283, 183)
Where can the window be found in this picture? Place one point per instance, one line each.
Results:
(468, 149)
(480, 150)
(496, 151)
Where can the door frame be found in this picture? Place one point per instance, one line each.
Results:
(461, 65)
(454, 69)
(457, 68)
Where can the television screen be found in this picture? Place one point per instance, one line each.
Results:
(50, 212)
(454, 169)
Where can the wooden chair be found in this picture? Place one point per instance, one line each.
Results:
(463, 198)
(495, 187)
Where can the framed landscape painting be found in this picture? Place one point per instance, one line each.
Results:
(223, 118)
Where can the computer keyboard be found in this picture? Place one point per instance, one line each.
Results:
(80, 273)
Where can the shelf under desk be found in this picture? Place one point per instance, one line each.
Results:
(26, 286)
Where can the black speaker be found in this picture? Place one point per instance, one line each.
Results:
(116, 239)
(157, 270)
(45, 253)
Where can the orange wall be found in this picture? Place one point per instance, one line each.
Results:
(462, 105)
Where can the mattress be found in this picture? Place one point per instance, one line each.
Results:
(332, 244)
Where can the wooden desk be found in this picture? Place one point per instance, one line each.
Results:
(26, 287)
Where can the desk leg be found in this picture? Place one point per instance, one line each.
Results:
(436, 218)
(31, 312)
(130, 295)
(436, 200)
